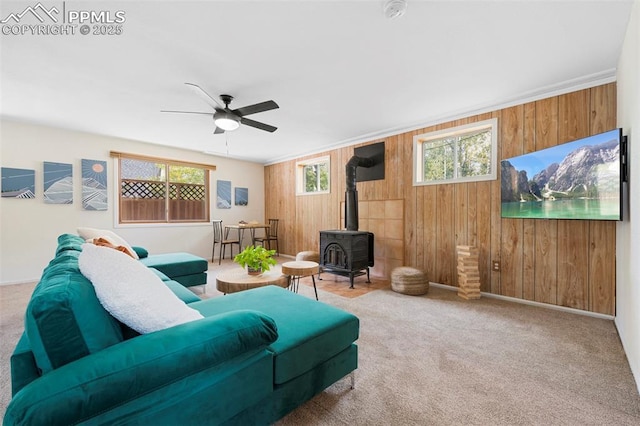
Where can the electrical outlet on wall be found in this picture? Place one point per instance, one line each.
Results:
(495, 266)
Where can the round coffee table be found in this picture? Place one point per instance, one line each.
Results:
(301, 268)
(237, 280)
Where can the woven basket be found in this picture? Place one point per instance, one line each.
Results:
(407, 280)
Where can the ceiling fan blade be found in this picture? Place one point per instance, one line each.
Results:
(258, 125)
(187, 112)
(256, 108)
(218, 130)
(213, 103)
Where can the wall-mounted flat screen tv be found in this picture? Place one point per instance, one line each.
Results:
(575, 180)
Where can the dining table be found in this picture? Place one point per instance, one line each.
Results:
(241, 227)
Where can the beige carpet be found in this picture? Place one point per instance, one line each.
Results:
(13, 301)
(440, 360)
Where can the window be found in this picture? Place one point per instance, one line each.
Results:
(312, 176)
(155, 190)
(461, 154)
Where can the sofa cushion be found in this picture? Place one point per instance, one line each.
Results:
(178, 289)
(140, 251)
(112, 237)
(310, 332)
(65, 262)
(160, 275)
(24, 369)
(131, 292)
(64, 319)
(184, 294)
(176, 264)
(69, 242)
(106, 242)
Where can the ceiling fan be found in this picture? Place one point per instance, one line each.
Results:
(227, 119)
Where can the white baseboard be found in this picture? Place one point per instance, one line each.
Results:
(531, 303)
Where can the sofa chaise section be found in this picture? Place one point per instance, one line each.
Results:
(185, 268)
(314, 349)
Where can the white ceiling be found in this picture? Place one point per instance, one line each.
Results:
(340, 71)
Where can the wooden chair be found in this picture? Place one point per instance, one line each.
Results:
(271, 234)
(222, 238)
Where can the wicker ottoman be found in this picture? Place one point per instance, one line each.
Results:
(311, 256)
(407, 280)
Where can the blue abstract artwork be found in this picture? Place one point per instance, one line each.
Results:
(242, 196)
(58, 183)
(223, 194)
(18, 183)
(94, 185)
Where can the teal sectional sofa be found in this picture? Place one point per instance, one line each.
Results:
(254, 356)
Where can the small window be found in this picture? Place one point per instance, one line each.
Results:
(461, 154)
(312, 176)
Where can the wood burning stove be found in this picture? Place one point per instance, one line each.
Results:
(348, 252)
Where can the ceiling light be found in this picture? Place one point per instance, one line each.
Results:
(226, 121)
(395, 8)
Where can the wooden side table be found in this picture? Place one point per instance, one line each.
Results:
(301, 268)
(238, 280)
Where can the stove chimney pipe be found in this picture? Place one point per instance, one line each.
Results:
(351, 194)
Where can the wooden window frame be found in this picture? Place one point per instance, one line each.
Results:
(207, 168)
(419, 142)
(300, 165)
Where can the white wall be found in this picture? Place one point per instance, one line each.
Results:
(29, 228)
(628, 232)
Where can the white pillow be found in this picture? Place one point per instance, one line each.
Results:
(88, 234)
(131, 292)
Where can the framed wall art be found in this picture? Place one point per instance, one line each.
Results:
(94, 185)
(58, 183)
(241, 196)
(223, 194)
(18, 183)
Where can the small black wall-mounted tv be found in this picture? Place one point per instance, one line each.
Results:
(374, 151)
(582, 179)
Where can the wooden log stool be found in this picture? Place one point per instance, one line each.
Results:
(311, 256)
(298, 269)
(407, 280)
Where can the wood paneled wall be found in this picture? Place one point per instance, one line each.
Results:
(561, 262)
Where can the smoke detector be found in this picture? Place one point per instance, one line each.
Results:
(395, 8)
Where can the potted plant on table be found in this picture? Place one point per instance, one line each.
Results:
(256, 259)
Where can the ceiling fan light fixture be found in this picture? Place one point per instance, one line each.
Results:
(226, 122)
(395, 8)
(227, 119)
